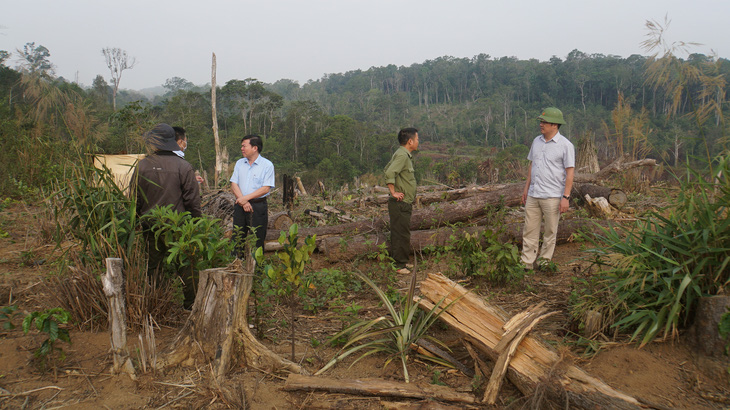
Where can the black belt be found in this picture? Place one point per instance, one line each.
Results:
(258, 200)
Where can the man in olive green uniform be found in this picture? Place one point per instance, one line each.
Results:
(401, 182)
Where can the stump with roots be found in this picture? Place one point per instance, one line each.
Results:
(217, 330)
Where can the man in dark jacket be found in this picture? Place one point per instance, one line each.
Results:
(161, 179)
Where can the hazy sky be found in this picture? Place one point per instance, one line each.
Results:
(305, 39)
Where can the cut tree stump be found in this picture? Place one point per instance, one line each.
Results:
(616, 197)
(375, 387)
(113, 284)
(533, 364)
(217, 330)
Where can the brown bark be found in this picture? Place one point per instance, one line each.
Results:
(533, 364)
(426, 198)
(375, 387)
(217, 330)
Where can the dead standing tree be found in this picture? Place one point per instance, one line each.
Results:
(117, 61)
(221, 155)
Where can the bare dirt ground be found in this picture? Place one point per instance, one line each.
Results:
(666, 374)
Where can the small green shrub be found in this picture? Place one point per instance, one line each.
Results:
(284, 273)
(197, 242)
(485, 255)
(7, 313)
(47, 322)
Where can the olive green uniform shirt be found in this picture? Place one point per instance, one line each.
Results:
(400, 173)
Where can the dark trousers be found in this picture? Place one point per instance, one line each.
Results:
(400, 231)
(156, 254)
(245, 223)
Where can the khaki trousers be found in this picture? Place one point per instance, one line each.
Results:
(537, 209)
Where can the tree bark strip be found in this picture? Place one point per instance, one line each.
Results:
(482, 324)
(375, 387)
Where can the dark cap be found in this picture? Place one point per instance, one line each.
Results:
(162, 137)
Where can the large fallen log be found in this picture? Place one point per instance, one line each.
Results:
(621, 164)
(534, 363)
(375, 387)
(434, 216)
(349, 247)
(427, 197)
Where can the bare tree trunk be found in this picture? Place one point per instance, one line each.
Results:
(221, 157)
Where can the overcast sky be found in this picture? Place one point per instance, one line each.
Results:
(304, 39)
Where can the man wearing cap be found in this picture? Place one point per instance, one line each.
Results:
(547, 189)
(251, 183)
(161, 179)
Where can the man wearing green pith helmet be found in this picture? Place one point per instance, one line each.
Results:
(547, 189)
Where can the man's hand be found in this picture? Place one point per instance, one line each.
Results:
(399, 196)
(564, 205)
(244, 204)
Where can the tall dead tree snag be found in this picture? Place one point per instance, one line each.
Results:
(221, 155)
(533, 363)
(217, 330)
(113, 283)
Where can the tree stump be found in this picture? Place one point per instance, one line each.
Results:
(217, 330)
(113, 283)
(704, 333)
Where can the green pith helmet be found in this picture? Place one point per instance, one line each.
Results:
(552, 115)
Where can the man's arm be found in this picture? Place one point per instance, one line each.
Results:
(564, 202)
(527, 183)
(243, 200)
(396, 165)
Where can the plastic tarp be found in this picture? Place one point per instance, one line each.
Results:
(121, 166)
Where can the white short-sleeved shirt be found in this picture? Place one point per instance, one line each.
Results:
(549, 161)
(252, 177)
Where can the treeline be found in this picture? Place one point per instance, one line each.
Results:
(344, 125)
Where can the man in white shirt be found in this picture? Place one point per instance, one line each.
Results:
(251, 183)
(547, 189)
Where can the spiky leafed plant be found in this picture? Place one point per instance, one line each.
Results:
(395, 334)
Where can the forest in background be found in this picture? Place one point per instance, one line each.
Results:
(473, 114)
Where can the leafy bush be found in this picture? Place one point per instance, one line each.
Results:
(485, 255)
(655, 272)
(196, 242)
(48, 322)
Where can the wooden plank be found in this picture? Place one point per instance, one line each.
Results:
(375, 387)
